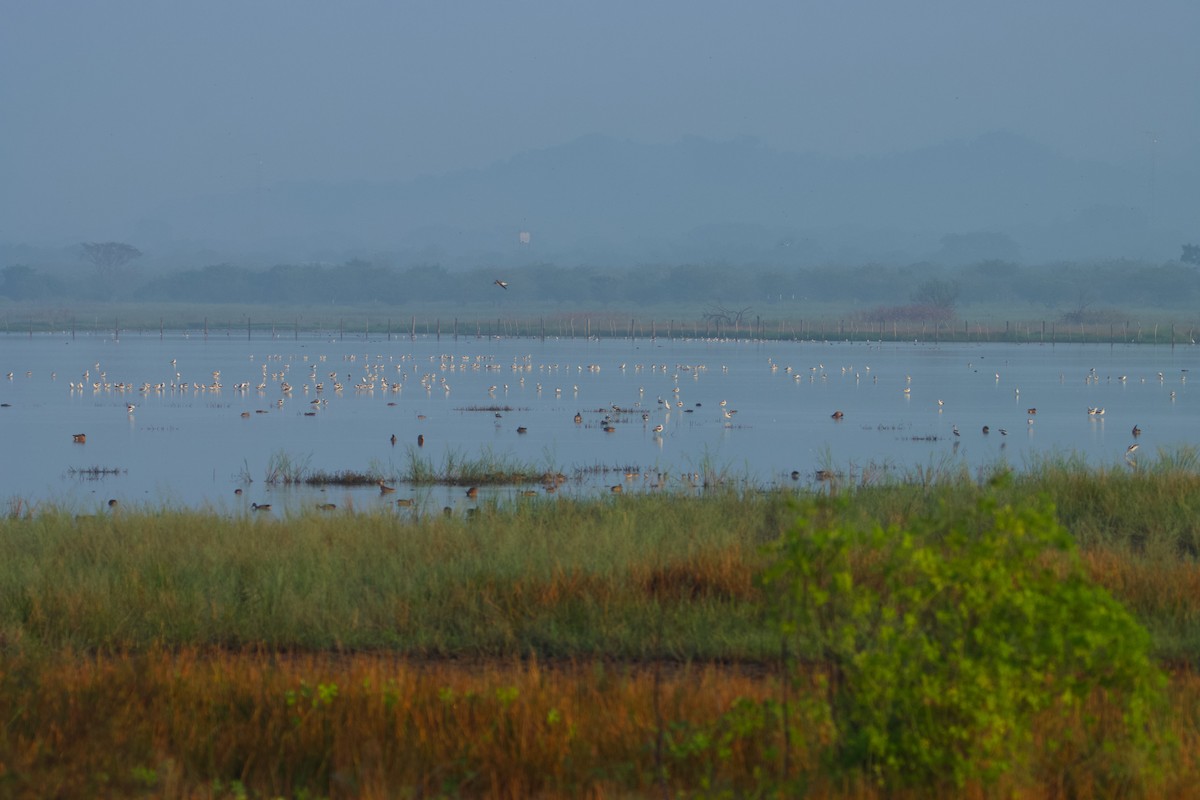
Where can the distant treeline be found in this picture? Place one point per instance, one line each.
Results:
(1065, 287)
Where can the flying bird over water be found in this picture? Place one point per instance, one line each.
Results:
(501, 284)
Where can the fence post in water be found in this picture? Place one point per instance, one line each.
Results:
(412, 334)
(160, 328)
(456, 329)
(542, 322)
(588, 330)
(72, 327)
(296, 330)
(1172, 335)
(247, 329)
(116, 328)
(653, 331)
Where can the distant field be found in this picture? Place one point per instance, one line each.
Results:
(778, 320)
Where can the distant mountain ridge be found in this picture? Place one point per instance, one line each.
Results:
(598, 198)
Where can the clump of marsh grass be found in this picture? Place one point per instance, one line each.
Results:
(342, 478)
(488, 469)
(286, 469)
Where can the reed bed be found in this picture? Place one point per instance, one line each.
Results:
(637, 576)
(557, 578)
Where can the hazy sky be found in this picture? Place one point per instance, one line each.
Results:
(108, 108)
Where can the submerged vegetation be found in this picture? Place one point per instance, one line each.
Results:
(1001, 636)
(95, 472)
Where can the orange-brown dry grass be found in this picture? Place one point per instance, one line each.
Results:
(217, 724)
(1146, 585)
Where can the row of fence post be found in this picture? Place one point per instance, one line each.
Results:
(806, 331)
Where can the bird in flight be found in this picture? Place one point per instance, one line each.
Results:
(501, 284)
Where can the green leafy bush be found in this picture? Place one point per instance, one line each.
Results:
(938, 645)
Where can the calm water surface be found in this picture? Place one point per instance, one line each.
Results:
(195, 446)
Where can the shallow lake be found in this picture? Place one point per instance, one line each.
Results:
(754, 412)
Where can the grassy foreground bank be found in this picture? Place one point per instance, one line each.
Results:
(624, 646)
(632, 577)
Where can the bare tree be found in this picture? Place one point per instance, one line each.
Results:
(1084, 298)
(725, 316)
(108, 257)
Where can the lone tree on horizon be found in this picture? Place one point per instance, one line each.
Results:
(108, 257)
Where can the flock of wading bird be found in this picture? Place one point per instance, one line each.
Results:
(377, 376)
(1094, 412)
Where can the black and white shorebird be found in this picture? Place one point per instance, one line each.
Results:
(501, 284)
